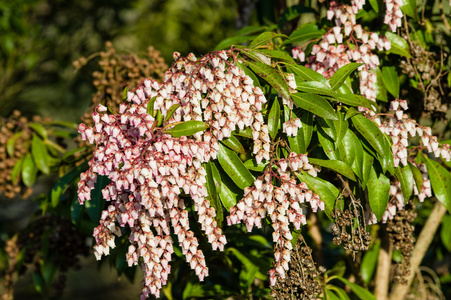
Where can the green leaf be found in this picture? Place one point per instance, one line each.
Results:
(314, 104)
(366, 167)
(351, 113)
(265, 38)
(330, 295)
(234, 40)
(440, 179)
(339, 291)
(417, 175)
(398, 44)
(444, 233)
(233, 143)
(341, 127)
(391, 81)
(171, 111)
(360, 292)
(409, 7)
(327, 143)
(16, 170)
(272, 76)
(251, 164)
(248, 73)
(379, 86)
(307, 74)
(150, 106)
(187, 128)
(351, 152)
(75, 211)
(274, 119)
(38, 282)
(306, 32)
(247, 133)
(375, 5)
(227, 196)
(327, 192)
(234, 167)
(307, 129)
(65, 182)
(315, 87)
(124, 94)
(11, 143)
(335, 165)
(29, 171)
(213, 194)
(340, 76)
(405, 177)
(48, 270)
(369, 130)
(95, 206)
(39, 129)
(39, 154)
(378, 193)
(353, 100)
(257, 56)
(369, 262)
(278, 54)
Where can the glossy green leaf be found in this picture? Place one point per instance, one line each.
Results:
(233, 143)
(306, 32)
(417, 175)
(29, 171)
(409, 7)
(379, 86)
(235, 40)
(351, 152)
(95, 206)
(278, 54)
(374, 5)
(39, 154)
(187, 128)
(330, 294)
(274, 119)
(353, 100)
(340, 76)
(369, 130)
(249, 73)
(335, 165)
(405, 177)
(150, 106)
(251, 164)
(327, 143)
(257, 56)
(398, 45)
(247, 133)
(307, 129)
(307, 74)
(171, 112)
(444, 233)
(367, 164)
(327, 192)
(39, 129)
(359, 291)
(369, 262)
(378, 192)
(124, 93)
(328, 126)
(351, 113)
(341, 127)
(272, 76)
(234, 167)
(227, 196)
(265, 38)
(342, 295)
(387, 161)
(213, 193)
(314, 104)
(65, 182)
(17, 169)
(315, 87)
(11, 143)
(440, 179)
(391, 80)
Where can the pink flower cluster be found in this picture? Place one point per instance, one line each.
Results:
(282, 203)
(393, 14)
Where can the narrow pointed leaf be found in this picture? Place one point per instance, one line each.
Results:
(233, 143)
(405, 177)
(39, 154)
(327, 143)
(187, 128)
(274, 119)
(39, 129)
(95, 206)
(11, 143)
(234, 167)
(378, 193)
(398, 45)
(440, 179)
(235, 40)
(171, 111)
(335, 165)
(351, 152)
(249, 73)
(307, 129)
(341, 127)
(16, 170)
(306, 32)
(251, 164)
(278, 54)
(271, 76)
(29, 171)
(369, 130)
(307, 74)
(315, 87)
(124, 93)
(325, 190)
(366, 167)
(379, 86)
(391, 80)
(340, 76)
(150, 106)
(265, 38)
(359, 291)
(417, 176)
(314, 104)
(213, 193)
(369, 262)
(226, 195)
(353, 100)
(409, 7)
(65, 182)
(328, 126)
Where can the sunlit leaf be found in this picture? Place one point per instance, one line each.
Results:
(340, 76)
(405, 177)
(359, 291)
(265, 38)
(398, 44)
(315, 87)
(11, 143)
(378, 192)
(273, 77)
(213, 193)
(307, 74)
(150, 106)
(391, 80)
(39, 129)
(29, 171)
(274, 119)
(306, 32)
(314, 104)
(369, 130)
(39, 154)
(234, 167)
(353, 100)
(335, 165)
(369, 262)
(187, 128)
(440, 179)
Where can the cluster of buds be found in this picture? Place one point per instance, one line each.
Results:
(332, 53)
(282, 203)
